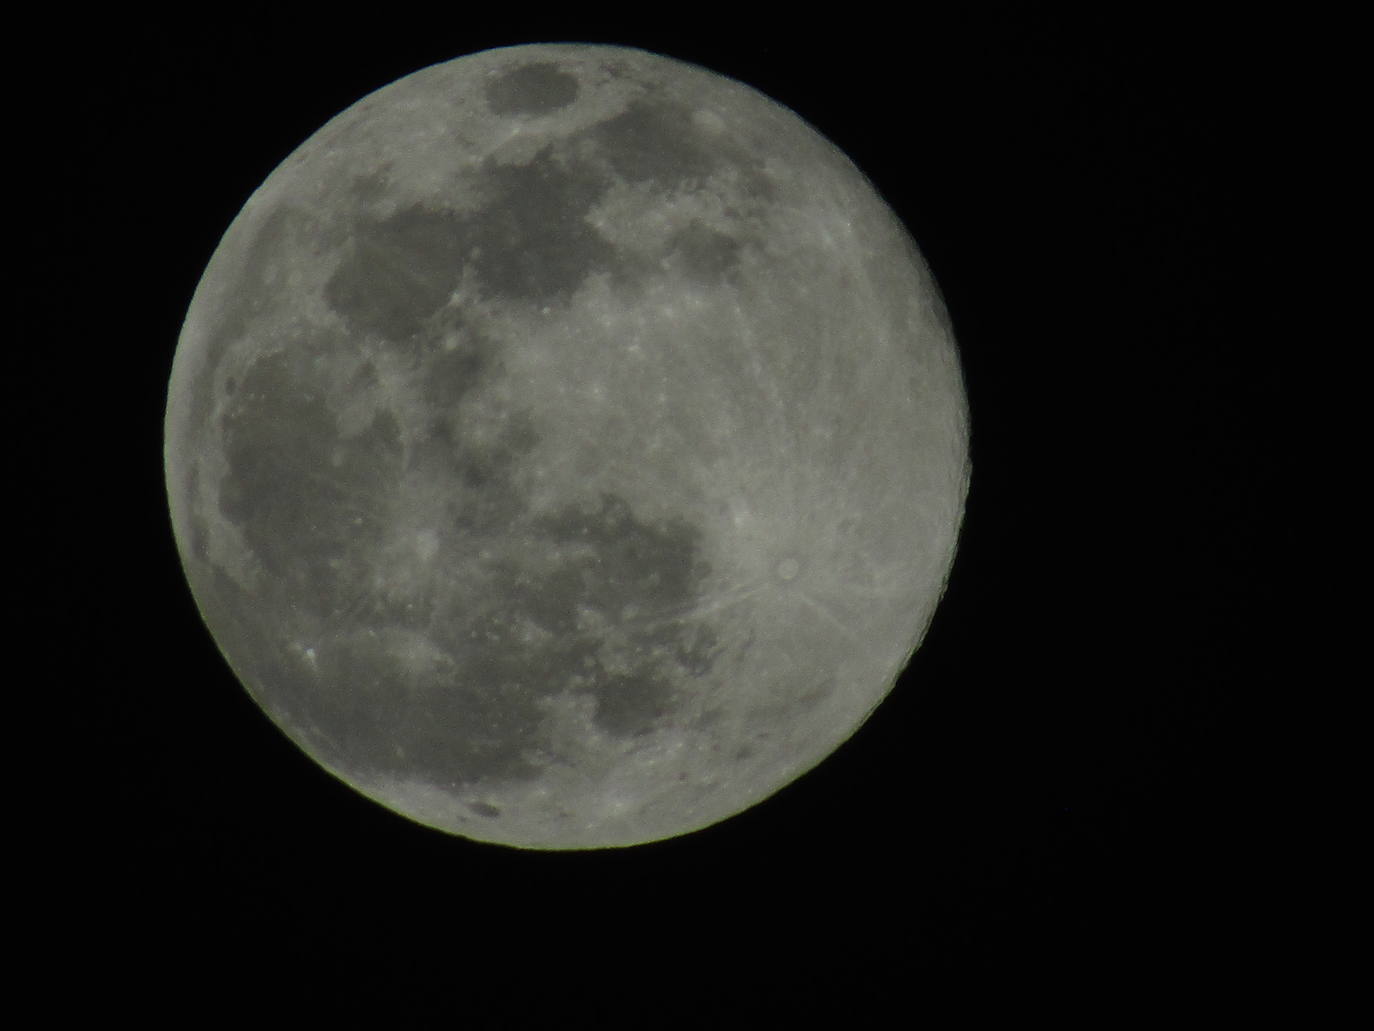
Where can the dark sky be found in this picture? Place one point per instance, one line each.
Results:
(1059, 788)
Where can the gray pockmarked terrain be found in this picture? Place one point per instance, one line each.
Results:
(566, 446)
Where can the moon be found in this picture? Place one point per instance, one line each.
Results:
(566, 447)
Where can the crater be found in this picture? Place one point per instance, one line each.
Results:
(655, 572)
(591, 601)
(454, 370)
(397, 272)
(532, 89)
(705, 254)
(528, 240)
(628, 705)
(657, 142)
(295, 488)
(531, 240)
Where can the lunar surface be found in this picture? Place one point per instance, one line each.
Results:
(566, 447)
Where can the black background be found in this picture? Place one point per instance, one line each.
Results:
(1058, 788)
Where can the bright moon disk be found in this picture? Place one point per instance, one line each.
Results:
(566, 447)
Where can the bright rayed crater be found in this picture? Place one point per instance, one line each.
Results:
(566, 447)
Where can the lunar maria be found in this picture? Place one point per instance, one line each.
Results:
(566, 447)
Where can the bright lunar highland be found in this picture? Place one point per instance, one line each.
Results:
(566, 447)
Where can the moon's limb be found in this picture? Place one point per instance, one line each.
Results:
(566, 446)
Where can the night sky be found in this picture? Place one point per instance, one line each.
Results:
(1060, 788)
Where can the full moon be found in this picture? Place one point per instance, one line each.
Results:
(566, 447)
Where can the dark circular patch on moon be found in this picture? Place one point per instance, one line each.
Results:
(656, 142)
(398, 271)
(705, 254)
(529, 241)
(539, 487)
(300, 507)
(531, 89)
